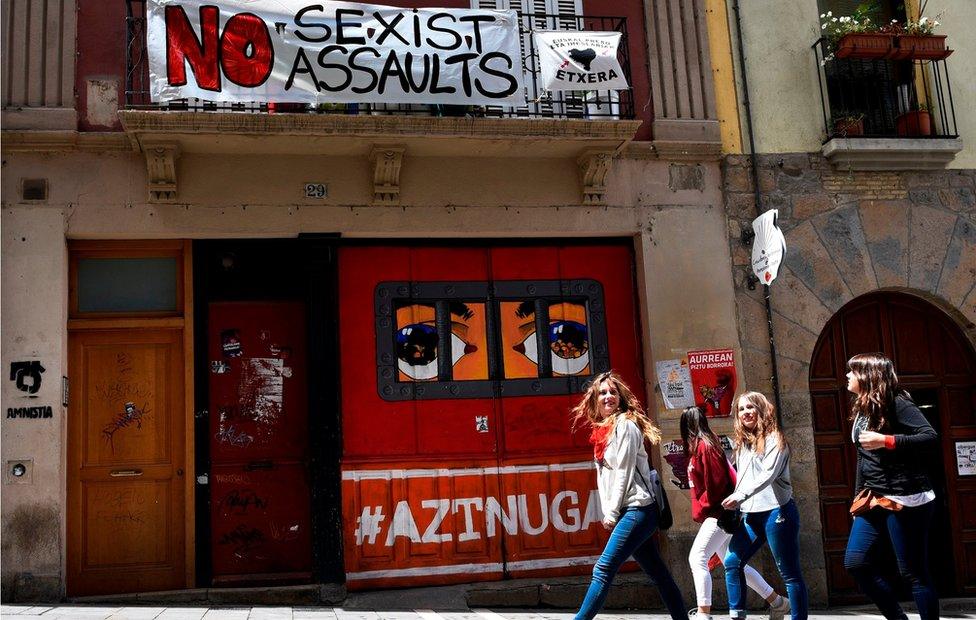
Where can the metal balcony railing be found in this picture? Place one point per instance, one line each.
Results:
(882, 98)
(583, 104)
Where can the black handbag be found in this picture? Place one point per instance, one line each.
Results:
(730, 520)
(665, 518)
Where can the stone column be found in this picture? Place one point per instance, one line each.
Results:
(682, 93)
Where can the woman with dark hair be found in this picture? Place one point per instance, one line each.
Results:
(711, 480)
(894, 496)
(619, 428)
(764, 494)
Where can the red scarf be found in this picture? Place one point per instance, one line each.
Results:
(599, 436)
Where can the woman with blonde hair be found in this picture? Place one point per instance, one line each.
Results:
(619, 428)
(895, 499)
(764, 494)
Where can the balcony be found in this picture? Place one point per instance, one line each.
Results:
(886, 114)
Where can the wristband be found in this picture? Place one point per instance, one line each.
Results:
(889, 442)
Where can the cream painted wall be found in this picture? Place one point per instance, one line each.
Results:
(783, 77)
(959, 22)
(35, 293)
(782, 74)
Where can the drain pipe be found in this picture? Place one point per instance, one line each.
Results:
(748, 235)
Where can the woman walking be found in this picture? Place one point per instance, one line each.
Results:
(894, 498)
(764, 494)
(712, 479)
(619, 428)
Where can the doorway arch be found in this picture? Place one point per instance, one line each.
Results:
(937, 364)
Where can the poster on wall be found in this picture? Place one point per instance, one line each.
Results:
(674, 455)
(675, 383)
(966, 458)
(713, 380)
(288, 51)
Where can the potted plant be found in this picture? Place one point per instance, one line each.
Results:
(848, 124)
(917, 41)
(855, 35)
(917, 122)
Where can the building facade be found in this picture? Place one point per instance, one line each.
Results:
(278, 345)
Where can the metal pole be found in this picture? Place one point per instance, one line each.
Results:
(758, 203)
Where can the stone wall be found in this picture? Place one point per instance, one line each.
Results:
(847, 234)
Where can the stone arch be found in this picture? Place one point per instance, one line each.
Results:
(840, 247)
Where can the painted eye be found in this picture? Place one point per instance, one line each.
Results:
(570, 347)
(416, 347)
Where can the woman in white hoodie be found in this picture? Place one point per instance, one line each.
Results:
(619, 428)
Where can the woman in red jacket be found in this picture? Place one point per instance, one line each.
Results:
(712, 479)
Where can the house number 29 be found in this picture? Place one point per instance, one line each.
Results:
(316, 190)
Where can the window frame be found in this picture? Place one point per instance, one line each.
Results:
(80, 250)
(440, 293)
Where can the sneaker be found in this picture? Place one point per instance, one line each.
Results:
(694, 614)
(780, 609)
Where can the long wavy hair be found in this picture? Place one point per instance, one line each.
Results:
(694, 430)
(767, 426)
(878, 388)
(587, 411)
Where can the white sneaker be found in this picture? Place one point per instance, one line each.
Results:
(694, 614)
(780, 609)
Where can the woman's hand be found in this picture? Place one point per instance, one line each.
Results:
(870, 440)
(729, 503)
(608, 524)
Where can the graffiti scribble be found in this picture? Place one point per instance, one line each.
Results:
(239, 501)
(231, 435)
(130, 415)
(244, 540)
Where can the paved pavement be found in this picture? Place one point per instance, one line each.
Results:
(91, 612)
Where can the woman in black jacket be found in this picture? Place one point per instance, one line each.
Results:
(894, 500)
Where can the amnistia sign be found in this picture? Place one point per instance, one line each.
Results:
(579, 60)
(287, 51)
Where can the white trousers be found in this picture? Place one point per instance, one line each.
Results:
(711, 540)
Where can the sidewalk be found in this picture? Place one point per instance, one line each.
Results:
(91, 612)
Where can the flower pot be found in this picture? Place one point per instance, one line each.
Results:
(865, 45)
(920, 47)
(848, 127)
(914, 123)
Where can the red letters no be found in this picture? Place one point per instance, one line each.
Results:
(182, 45)
(246, 52)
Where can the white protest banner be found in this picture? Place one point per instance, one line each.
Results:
(289, 51)
(768, 248)
(579, 61)
(675, 381)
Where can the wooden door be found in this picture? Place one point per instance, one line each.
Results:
(938, 366)
(126, 459)
(261, 529)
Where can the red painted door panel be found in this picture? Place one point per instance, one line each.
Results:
(260, 495)
(466, 469)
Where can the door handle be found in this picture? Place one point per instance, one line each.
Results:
(125, 473)
(255, 465)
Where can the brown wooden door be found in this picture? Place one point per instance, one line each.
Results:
(126, 469)
(938, 366)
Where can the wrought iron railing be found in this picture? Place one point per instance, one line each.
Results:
(884, 98)
(583, 104)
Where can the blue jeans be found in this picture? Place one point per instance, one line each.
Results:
(908, 530)
(781, 528)
(632, 536)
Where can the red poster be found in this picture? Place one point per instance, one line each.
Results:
(713, 379)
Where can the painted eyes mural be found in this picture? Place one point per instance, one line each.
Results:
(417, 341)
(567, 338)
(481, 339)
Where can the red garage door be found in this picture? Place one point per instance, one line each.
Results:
(459, 367)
